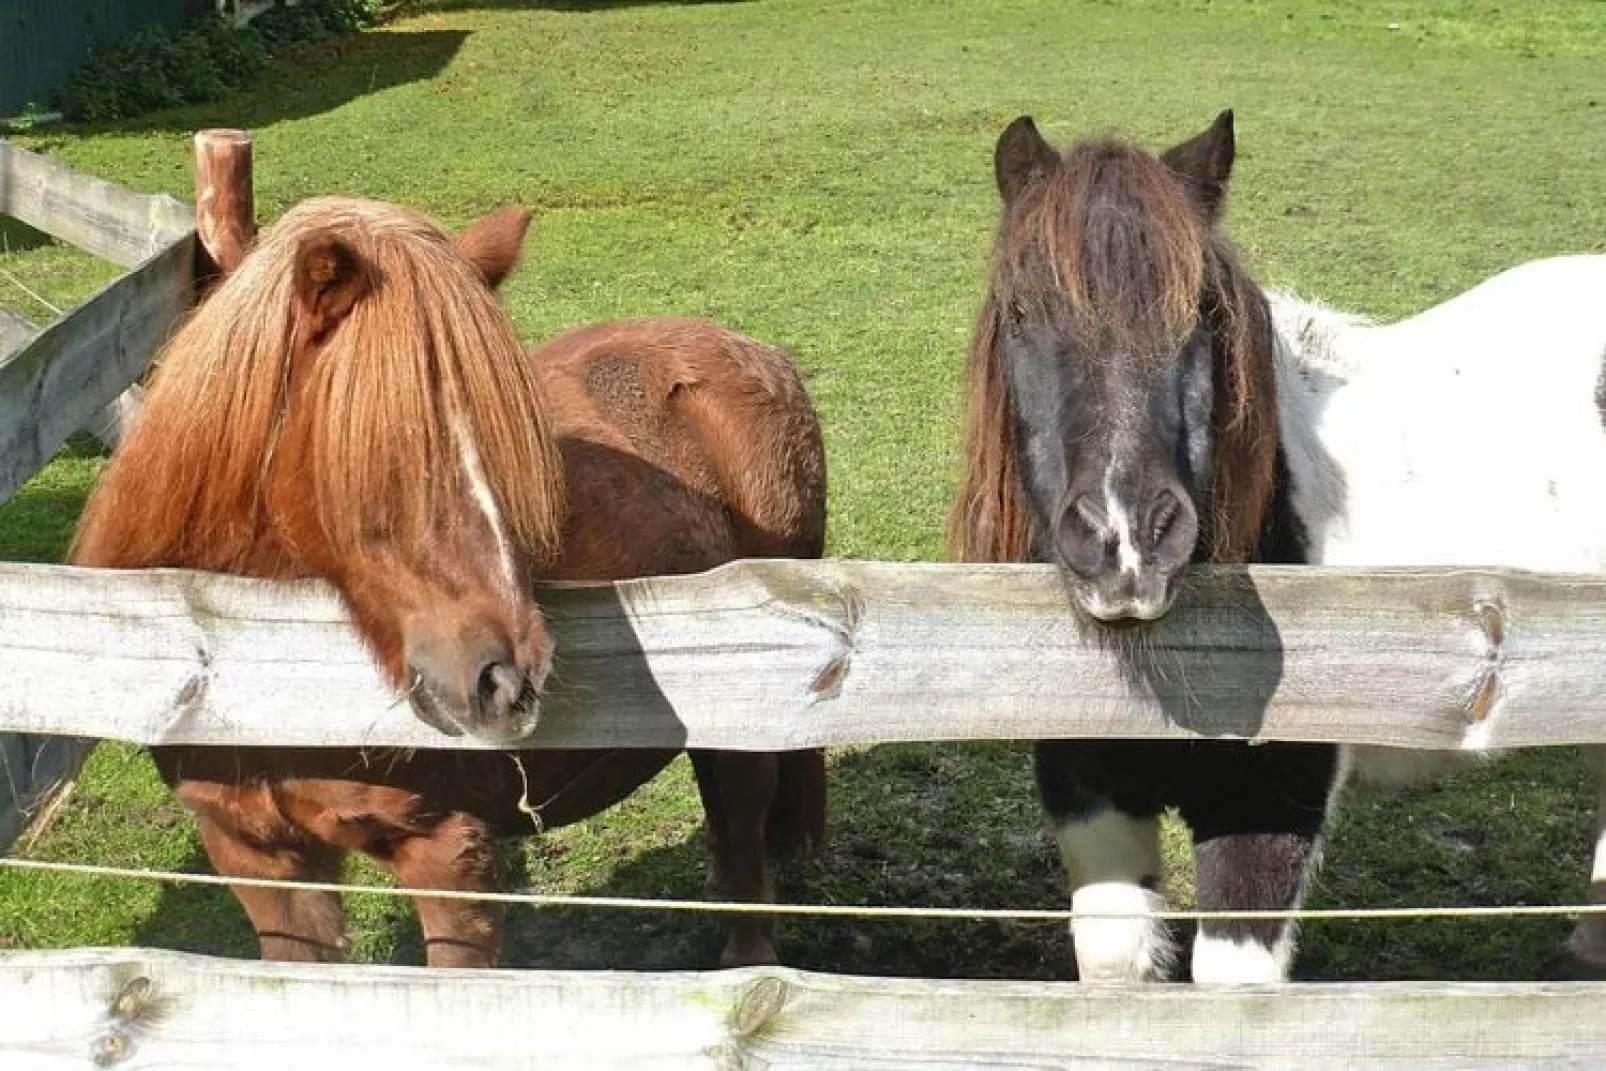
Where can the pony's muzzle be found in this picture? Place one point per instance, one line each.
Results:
(476, 688)
(1122, 564)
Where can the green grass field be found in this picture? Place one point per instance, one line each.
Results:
(819, 174)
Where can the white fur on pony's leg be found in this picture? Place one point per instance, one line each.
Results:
(1222, 960)
(1588, 941)
(1111, 857)
(1129, 944)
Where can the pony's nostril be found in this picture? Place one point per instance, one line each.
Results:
(1084, 538)
(500, 687)
(1162, 514)
(1088, 512)
(1172, 527)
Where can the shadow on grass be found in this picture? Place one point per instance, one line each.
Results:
(931, 825)
(198, 918)
(16, 236)
(421, 6)
(303, 81)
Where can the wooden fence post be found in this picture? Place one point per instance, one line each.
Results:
(225, 212)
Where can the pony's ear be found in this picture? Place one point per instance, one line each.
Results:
(1204, 163)
(1020, 156)
(492, 243)
(329, 281)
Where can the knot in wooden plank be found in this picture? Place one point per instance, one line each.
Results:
(1486, 692)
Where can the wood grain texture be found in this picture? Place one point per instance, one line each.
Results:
(15, 332)
(125, 227)
(79, 364)
(162, 1010)
(779, 654)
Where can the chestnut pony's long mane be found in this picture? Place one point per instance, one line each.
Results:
(1110, 235)
(426, 354)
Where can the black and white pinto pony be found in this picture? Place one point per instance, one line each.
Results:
(1135, 403)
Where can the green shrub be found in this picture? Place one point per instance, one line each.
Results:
(280, 26)
(158, 68)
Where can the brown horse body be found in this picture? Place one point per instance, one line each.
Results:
(677, 444)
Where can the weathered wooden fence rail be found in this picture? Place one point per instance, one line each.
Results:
(74, 372)
(74, 1010)
(784, 654)
(61, 377)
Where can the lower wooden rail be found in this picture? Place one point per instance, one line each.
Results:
(131, 1008)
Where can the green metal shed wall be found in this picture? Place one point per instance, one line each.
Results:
(41, 41)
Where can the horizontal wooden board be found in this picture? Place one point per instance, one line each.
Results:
(73, 369)
(125, 227)
(75, 1010)
(15, 332)
(785, 654)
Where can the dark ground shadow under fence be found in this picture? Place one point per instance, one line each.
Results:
(956, 825)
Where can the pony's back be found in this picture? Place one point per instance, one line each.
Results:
(686, 445)
(697, 440)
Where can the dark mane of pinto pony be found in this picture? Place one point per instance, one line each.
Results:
(1245, 411)
(1131, 265)
(989, 521)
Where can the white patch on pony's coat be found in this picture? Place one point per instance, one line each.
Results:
(469, 456)
(1127, 556)
(1390, 768)
(1128, 945)
(1587, 942)
(1466, 435)
(1107, 857)
(1223, 961)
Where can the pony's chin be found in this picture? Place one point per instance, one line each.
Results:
(512, 730)
(428, 709)
(1124, 613)
(519, 726)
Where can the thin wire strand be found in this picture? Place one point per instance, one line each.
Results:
(715, 907)
(20, 285)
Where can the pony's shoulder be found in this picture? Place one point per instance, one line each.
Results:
(1310, 333)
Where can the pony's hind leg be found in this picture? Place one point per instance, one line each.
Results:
(1587, 945)
(1111, 853)
(738, 789)
(290, 924)
(1257, 829)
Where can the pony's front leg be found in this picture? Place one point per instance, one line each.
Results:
(738, 789)
(290, 924)
(1111, 854)
(1587, 945)
(455, 853)
(1256, 840)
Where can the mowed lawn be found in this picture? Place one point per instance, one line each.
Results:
(819, 174)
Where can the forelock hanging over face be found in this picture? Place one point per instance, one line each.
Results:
(1111, 239)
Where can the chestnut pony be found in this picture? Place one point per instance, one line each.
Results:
(352, 404)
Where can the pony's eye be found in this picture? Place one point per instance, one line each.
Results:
(1017, 312)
